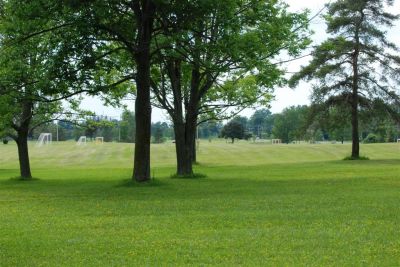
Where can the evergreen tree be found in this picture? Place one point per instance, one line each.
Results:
(342, 64)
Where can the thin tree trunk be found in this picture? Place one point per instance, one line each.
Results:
(145, 18)
(23, 154)
(355, 148)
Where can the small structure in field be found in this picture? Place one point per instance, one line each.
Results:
(276, 141)
(81, 141)
(44, 139)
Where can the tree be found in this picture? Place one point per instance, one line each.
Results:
(336, 120)
(291, 124)
(30, 88)
(209, 129)
(127, 126)
(217, 55)
(342, 64)
(232, 130)
(120, 34)
(158, 135)
(261, 121)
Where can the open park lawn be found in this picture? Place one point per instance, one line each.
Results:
(258, 204)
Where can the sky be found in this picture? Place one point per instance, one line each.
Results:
(284, 97)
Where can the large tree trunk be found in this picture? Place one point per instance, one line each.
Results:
(194, 147)
(23, 154)
(185, 141)
(183, 154)
(145, 18)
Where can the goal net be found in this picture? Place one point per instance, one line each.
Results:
(276, 141)
(99, 140)
(81, 141)
(44, 139)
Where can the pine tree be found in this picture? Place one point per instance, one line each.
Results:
(357, 66)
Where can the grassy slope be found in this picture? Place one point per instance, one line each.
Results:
(260, 204)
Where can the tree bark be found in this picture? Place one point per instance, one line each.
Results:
(145, 19)
(183, 154)
(194, 147)
(23, 154)
(355, 148)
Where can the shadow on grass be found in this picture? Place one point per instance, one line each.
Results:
(188, 177)
(356, 158)
(19, 180)
(312, 178)
(131, 183)
(367, 161)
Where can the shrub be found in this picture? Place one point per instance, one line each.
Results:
(5, 141)
(372, 138)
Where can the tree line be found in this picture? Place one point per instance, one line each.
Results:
(293, 124)
(300, 123)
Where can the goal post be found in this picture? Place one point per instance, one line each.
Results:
(44, 139)
(99, 140)
(81, 141)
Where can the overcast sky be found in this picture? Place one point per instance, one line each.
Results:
(284, 97)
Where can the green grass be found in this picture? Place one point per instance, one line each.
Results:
(281, 205)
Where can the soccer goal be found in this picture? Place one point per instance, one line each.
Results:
(81, 141)
(99, 140)
(276, 141)
(398, 140)
(44, 139)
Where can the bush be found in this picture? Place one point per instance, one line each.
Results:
(5, 141)
(372, 138)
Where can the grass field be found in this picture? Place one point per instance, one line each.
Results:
(280, 205)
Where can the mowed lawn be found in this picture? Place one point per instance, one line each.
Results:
(259, 205)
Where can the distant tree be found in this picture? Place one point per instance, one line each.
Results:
(242, 120)
(106, 130)
(127, 127)
(158, 135)
(209, 129)
(291, 124)
(261, 121)
(91, 126)
(342, 64)
(233, 130)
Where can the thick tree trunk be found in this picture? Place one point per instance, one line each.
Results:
(141, 171)
(183, 154)
(194, 147)
(23, 154)
(185, 133)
